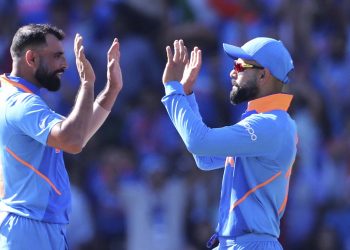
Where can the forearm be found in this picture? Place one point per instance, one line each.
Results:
(203, 162)
(187, 129)
(187, 122)
(209, 163)
(191, 99)
(106, 98)
(101, 109)
(71, 132)
(201, 140)
(99, 115)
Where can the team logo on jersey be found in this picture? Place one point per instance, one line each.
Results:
(251, 131)
(42, 124)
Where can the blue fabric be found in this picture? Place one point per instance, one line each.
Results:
(15, 229)
(250, 242)
(36, 183)
(257, 154)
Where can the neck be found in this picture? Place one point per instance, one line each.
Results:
(24, 73)
(270, 88)
(267, 93)
(15, 72)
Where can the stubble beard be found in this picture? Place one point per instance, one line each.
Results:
(246, 93)
(47, 80)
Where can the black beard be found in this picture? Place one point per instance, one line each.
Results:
(47, 80)
(243, 94)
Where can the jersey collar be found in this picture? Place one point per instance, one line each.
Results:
(20, 83)
(271, 102)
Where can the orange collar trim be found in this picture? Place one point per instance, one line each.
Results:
(271, 102)
(15, 84)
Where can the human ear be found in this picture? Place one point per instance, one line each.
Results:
(262, 74)
(31, 58)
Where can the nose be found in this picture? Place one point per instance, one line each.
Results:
(64, 63)
(233, 74)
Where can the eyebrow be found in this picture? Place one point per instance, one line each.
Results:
(59, 53)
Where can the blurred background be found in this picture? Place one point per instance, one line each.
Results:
(135, 186)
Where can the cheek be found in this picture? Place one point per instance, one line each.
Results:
(52, 67)
(241, 79)
(52, 63)
(248, 79)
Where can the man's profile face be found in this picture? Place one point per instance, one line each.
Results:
(244, 85)
(244, 92)
(52, 63)
(47, 79)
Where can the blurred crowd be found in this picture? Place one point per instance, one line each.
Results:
(135, 186)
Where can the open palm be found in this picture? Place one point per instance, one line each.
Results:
(114, 74)
(176, 62)
(85, 70)
(192, 70)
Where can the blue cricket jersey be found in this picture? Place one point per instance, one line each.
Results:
(257, 153)
(35, 183)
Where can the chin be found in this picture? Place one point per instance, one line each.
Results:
(233, 97)
(53, 86)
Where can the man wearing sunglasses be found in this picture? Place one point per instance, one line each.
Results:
(256, 153)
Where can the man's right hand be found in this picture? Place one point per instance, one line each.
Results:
(191, 70)
(114, 84)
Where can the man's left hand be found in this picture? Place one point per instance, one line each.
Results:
(114, 74)
(176, 63)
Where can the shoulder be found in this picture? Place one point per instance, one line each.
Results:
(272, 123)
(25, 100)
(273, 118)
(260, 120)
(20, 104)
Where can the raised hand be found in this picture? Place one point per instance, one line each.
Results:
(114, 84)
(176, 63)
(114, 74)
(191, 70)
(85, 70)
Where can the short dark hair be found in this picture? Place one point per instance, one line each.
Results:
(33, 35)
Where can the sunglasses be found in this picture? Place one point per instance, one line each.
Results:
(240, 66)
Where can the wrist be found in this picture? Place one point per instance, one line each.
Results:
(110, 87)
(87, 84)
(188, 91)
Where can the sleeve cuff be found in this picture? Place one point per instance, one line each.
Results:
(191, 98)
(173, 87)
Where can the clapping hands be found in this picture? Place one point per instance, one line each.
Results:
(180, 68)
(114, 74)
(85, 70)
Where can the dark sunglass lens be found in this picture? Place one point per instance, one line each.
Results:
(238, 67)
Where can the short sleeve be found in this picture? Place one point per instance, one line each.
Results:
(30, 114)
